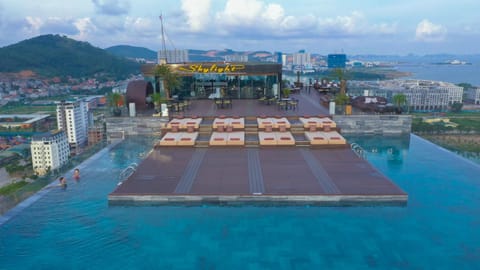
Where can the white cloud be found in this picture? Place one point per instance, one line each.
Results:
(144, 27)
(240, 12)
(197, 13)
(86, 29)
(427, 31)
(33, 24)
(273, 13)
(353, 24)
(385, 29)
(249, 18)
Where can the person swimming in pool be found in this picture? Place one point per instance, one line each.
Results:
(76, 174)
(63, 182)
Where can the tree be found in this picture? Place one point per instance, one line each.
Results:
(170, 79)
(465, 85)
(341, 99)
(456, 107)
(116, 101)
(341, 75)
(399, 100)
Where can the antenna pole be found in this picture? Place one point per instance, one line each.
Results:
(163, 58)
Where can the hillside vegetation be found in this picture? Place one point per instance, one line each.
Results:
(55, 55)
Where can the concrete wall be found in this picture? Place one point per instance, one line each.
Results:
(374, 124)
(118, 127)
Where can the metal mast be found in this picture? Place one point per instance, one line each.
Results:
(163, 54)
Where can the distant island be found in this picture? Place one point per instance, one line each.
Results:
(453, 62)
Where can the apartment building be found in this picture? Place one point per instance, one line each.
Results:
(421, 95)
(50, 151)
(302, 58)
(72, 117)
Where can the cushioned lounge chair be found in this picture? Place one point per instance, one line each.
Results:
(335, 138)
(284, 138)
(316, 138)
(267, 138)
(170, 139)
(236, 138)
(187, 138)
(218, 138)
(281, 121)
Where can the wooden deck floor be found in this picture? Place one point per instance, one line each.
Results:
(256, 175)
(252, 174)
(308, 105)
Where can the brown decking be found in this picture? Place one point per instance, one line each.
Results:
(309, 104)
(256, 175)
(272, 175)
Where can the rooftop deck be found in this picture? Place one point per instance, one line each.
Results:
(281, 175)
(309, 104)
(256, 174)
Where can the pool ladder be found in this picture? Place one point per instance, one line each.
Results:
(358, 150)
(127, 172)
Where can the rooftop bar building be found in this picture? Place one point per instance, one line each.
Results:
(240, 80)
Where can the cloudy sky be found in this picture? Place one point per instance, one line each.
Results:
(318, 26)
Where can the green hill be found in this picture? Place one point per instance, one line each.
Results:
(133, 52)
(55, 55)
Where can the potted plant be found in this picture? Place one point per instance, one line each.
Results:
(116, 102)
(169, 79)
(399, 100)
(286, 92)
(341, 100)
(157, 101)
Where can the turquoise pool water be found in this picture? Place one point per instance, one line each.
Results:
(439, 229)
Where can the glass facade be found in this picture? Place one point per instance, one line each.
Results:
(216, 80)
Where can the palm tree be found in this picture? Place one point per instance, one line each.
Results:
(170, 79)
(399, 100)
(341, 75)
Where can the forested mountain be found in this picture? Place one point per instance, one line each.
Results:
(55, 55)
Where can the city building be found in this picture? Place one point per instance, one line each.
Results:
(337, 60)
(302, 59)
(284, 59)
(236, 58)
(473, 95)
(24, 121)
(50, 151)
(173, 56)
(96, 134)
(278, 57)
(421, 95)
(72, 116)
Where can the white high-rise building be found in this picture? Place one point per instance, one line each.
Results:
(173, 56)
(302, 58)
(50, 151)
(72, 116)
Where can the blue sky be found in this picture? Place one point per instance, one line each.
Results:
(318, 26)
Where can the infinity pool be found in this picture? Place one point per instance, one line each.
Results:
(438, 229)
